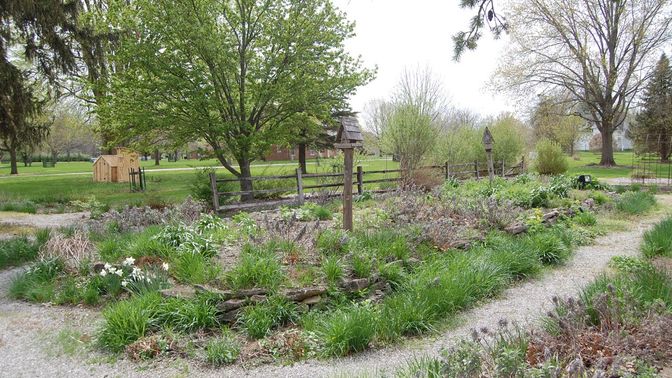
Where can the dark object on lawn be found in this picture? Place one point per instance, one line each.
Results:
(48, 164)
(584, 180)
(137, 180)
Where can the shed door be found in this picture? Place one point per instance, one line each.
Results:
(113, 173)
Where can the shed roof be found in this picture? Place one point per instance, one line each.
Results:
(111, 160)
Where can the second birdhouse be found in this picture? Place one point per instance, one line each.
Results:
(349, 134)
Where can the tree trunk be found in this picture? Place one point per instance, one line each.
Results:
(302, 158)
(157, 157)
(245, 182)
(12, 158)
(607, 159)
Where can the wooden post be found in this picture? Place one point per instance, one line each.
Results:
(215, 193)
(348, 154)
(522, 164)
(503, 169)
(476, 170)
(299, 186)
(360, 180)
(447, 171)
(491, 167)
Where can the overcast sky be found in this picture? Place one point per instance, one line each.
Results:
(394, 34)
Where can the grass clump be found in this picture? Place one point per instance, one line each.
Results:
(658, 240)
(332, 269)
(333, 242)
(260, 319)
(19, 206)
(549, 248)
(37, 284)
(186, 315)
(258, 267)
(347, 330)
(127, 321)
(585, 219)
(193, 268)
(222, 351)
(635, 202)
(17, 251)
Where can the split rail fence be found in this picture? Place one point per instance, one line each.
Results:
(304, 186)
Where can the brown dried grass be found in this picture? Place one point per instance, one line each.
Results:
(73, 250)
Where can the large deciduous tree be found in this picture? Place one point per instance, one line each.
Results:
(231, 73)
(652, 130)
(599, 51)
(35, 32)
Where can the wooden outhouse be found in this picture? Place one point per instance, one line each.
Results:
(115, 168)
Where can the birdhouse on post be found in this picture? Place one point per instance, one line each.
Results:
(348, 138)
(488, 142)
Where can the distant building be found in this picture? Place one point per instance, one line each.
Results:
(621, 140)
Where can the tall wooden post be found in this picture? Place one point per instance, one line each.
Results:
(215, 193)
(299, 186)
(488, 142)
(348, 154)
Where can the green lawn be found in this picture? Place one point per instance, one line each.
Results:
(588, 160)
(162, 186)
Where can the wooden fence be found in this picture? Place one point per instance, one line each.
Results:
(304, 184)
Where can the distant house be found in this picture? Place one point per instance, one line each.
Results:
(115, 168)
(621, 140)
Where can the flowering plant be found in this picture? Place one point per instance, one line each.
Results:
(127, 276)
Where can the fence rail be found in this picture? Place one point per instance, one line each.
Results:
(300, 186)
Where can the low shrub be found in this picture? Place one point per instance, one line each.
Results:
(127, 321)
(222, 351)
(658, 240)
(260, 319)
(551, 160)
(17, 251)
(635, 202)
(257, 267)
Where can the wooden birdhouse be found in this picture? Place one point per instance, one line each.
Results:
(349, 134)
(488, 141)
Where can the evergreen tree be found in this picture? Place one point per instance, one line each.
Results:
(39, 30)
(652, 131)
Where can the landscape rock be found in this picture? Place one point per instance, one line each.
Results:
(223, 294)
(231, 304)
(178, 292)
(230, 316)
(551, 217)
(312, 300)
(298, 295)
(516, 228)
(357, 284)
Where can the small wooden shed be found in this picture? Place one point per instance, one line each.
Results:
(115, 168)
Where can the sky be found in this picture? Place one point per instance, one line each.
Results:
(398, 34)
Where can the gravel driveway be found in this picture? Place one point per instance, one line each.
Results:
(30, 334)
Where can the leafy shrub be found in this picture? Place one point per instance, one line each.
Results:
(222, 351)
(629, 265)
(17, 251)
(347, 330)
(307, 212)
(551, 160)
(600, 198)
(260, 319)
(187, 240)
(257, 267)
(658, 240)
(127, 321)
(635, 202)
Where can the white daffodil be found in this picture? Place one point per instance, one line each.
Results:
(124, 283)
(165, 266)
(119, 272)
(129, 261)
(103, 272)
(108, 266)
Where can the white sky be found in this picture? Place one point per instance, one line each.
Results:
(395, 34)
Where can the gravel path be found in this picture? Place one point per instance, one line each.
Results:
(29, 333)
(41, 220)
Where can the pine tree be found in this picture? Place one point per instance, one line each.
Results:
(652, 131)
(40, 31)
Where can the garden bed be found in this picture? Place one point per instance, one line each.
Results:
(289, 284)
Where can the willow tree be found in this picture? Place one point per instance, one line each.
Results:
(598, 51)
(232, 73)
